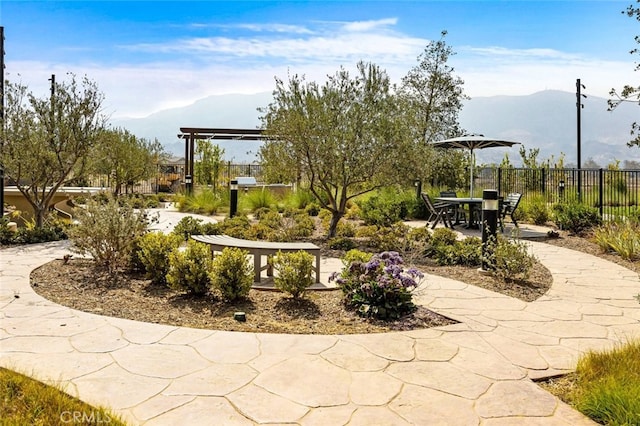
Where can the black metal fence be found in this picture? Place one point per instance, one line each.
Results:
(613, 192)
(171, 179)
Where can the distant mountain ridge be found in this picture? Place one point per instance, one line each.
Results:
(546, 120)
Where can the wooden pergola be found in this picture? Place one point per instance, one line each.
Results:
(190, 134)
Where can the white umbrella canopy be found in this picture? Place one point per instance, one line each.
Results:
(471, 143)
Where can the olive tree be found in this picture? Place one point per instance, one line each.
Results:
(126, 158)
(45, 140)
(630, 93)
(343, 137)
(432, 97)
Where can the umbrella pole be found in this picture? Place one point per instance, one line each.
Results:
(471, 173)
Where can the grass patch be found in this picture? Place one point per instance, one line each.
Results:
(605, 386)
(26, 401)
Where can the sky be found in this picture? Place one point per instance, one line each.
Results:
(147, 56)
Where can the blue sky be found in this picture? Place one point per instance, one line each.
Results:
(150, 55)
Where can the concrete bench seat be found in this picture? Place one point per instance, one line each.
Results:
(258, 249)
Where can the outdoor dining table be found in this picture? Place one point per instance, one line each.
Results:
(475, 204)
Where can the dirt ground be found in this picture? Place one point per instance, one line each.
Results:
(81, 285)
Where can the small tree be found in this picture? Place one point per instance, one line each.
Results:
(342, 137)
(629, 93)
(107, 231)
(126, 158)
(45, 141)
(209, 163)
(432, 97)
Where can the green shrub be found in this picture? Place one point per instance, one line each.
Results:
(155, 248)
(189, 269)
(231, 273)
(443, 236)
(341, 243)
(380, 288)
(346, 229)
(106, 231)
(355, 255)
(7, 236)
(622, 237)
(270, 218)
(510, 259)
(296, 227)
(51, 230)
(312, 209)
(294, 272)
(537, 210)
(576, 217)
(260, 231)
(234, 227)
(188, 226)
(383, 209)
(261, 212)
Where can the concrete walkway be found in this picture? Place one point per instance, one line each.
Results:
(476, 372)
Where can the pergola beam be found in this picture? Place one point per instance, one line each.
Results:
(190, 134)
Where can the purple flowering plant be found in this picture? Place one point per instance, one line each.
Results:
(380, 288)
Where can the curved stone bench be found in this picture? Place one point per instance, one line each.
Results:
(259, 249)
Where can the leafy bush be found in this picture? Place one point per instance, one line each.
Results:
(346, 229)
(293, 272)
(341, 243)
(234, 227)
(7, 235)
(576, 217)
(189, 269)
(355, 255)
(383, 209)
(270, 218)
(106, 231)
(51, 230)
(622, 237)
(188, 226)
(391, 238)
(443, 236)
(536, 209)
(510, 259)
(312, 209)
(231, 273)
(154, 251)
(380, 288)
(261, 231)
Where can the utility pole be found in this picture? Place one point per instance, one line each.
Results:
(579, 106)
(2, 119)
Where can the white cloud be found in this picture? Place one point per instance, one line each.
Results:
(198, 67)
(365, 26)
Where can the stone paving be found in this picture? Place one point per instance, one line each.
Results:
(479, 371)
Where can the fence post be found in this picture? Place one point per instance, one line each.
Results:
(601, 192)
(499, 180)
(543, 180)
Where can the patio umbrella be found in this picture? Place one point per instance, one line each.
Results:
(471, 143)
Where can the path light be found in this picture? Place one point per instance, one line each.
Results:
(233, 208)
(490, 204)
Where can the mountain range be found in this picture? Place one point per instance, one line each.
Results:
(545, 120)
